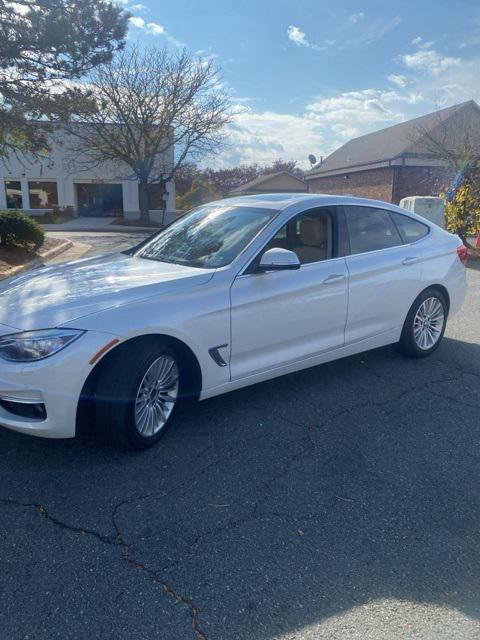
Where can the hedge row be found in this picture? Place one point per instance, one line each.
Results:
(17, 229)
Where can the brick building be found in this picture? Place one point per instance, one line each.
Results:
(398, 161)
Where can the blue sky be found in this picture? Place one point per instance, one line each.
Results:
(307, 76)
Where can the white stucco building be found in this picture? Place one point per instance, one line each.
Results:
(59, 180)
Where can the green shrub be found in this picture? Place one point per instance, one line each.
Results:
(58, 215)
(19, 230)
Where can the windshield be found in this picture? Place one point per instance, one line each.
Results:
(209, 237)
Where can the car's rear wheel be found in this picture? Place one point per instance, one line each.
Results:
(425, 324)
(137, 394)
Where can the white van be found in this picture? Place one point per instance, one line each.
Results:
(430, 207)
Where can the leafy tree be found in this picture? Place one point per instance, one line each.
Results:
(199, 193)
(284, 165)
(185, 177)
(224, 180)
(43, 45)
(462, 211)
(147, 101)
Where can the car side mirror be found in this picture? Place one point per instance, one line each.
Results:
(277, 259)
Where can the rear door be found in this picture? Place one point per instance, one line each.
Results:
(281, 317)
(385, 273)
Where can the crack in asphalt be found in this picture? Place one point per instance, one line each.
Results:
(63, 525)
(118, 541)
(309, 444)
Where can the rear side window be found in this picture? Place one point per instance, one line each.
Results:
(370, 229)
(410, 229)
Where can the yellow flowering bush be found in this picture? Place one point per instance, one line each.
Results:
(462, 213)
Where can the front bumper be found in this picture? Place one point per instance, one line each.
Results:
(54, 382)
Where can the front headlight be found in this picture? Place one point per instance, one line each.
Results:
(36, 345)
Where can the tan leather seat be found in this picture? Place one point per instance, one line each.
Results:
(315, 239)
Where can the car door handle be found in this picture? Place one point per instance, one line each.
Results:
(335, 277)
(410, 260)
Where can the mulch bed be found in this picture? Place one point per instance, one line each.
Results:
(14, 256)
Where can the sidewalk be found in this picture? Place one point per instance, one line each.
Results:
(95, 224)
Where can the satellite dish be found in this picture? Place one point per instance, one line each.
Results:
(312, 159)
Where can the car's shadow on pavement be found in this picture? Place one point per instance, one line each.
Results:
(261, 512)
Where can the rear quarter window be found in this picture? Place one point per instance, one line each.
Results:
(410, 229)
(370, 229)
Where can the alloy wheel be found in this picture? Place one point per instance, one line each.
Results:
(428, 323)
(156, 395)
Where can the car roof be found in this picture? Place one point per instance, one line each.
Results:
(280, 201)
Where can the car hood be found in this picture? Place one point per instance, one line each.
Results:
(53, 296)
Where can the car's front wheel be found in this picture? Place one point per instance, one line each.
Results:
(425, 324)
(137, 394)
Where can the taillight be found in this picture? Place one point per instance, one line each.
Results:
(462, 253)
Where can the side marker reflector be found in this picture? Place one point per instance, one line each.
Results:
(103, 350)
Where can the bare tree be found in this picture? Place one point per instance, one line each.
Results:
(453, 138)
(145, 102)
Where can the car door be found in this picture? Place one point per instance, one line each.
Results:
(281, 317)
(384, 273)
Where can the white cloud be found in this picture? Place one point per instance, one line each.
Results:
(398, 80)
(300, 39)
(356, 17)
(429, 61)
(372, 32)
(417, 40)
(154, 29)
(266, 136)
(352, 113)
(138, 22)
(425, 80)
(149, 27)
(324, 124)
(297, 36)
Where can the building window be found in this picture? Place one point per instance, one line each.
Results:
(13, 192)
(43, 195)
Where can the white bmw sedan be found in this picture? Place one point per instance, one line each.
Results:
(233, 293)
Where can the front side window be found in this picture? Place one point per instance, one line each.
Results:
(13, 193)
(309, 235)
(410, 229)
(370, 229)
(43, 195)
(209, 237)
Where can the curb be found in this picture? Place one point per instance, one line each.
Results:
(39, 260)
(114, 228)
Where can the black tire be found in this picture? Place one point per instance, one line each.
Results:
(408, 345)
(116, 392)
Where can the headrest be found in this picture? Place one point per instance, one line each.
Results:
(313, 232)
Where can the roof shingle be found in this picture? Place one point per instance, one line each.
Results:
(384, 144)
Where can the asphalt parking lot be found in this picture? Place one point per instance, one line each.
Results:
(341, 502)
(101, 242)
